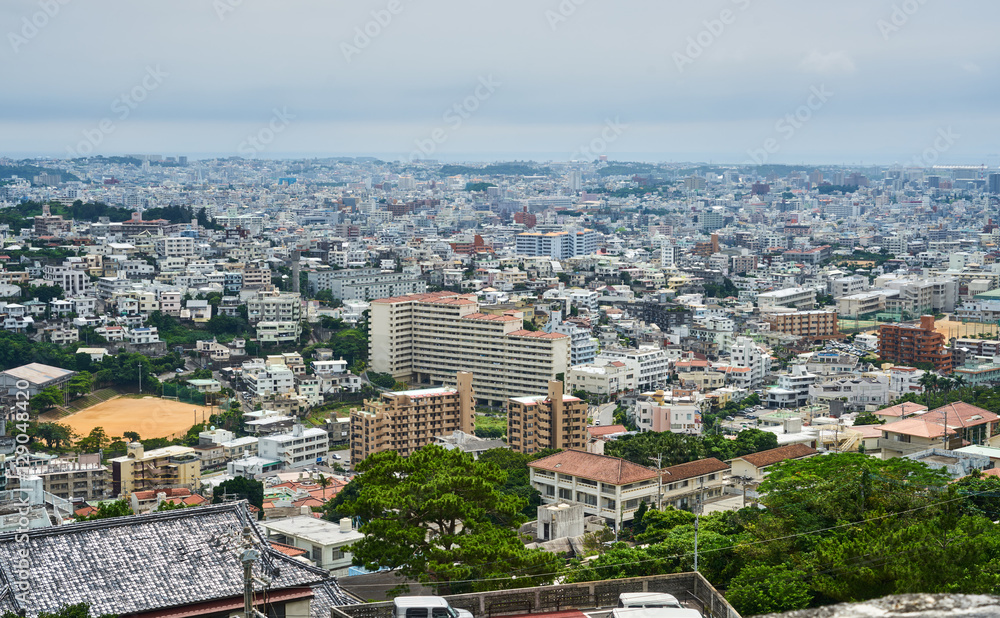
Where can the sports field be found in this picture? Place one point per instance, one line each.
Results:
(150, 417)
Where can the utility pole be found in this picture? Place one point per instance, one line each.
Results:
(248, 557)
(697, 520)
(140, 378)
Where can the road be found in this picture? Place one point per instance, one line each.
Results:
(605, 414)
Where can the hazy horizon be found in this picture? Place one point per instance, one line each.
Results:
(725, 81)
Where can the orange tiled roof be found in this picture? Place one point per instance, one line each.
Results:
(595, 467)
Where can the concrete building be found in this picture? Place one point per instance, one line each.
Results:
(325, 543)
(33, 378)
(810, 325)
(557, 245)
(608, 487)
(792, 390)
(298, 449)
(604, 376)
(365, 283)
(170, 466)
(429, 338)
(686, 485)
(795, 298)
(653, 363)
(81, 478)
(405, 421)
(274, 307)
(917, 343)
(555, 421)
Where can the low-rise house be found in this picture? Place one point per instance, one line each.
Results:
(948, 427)
(685, 485)
(900, 411)
(754, 467)
(608, 487)
(107, 575)
(325, 542)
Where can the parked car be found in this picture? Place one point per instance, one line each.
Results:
(426, 607)
(647, 599)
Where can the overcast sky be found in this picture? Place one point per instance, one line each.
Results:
(898, 82)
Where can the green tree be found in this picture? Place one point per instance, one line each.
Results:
(240, 488)
(80, 384)
(867, 418)
(764, 589)
(106, 510)
(95, 441)
(46, 399)
(55, 435)
(431, 517)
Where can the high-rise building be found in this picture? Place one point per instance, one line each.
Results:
(557, 245)
(554, 420)
(994, 183)
(404, 421)
(428, 338)
(909, 344)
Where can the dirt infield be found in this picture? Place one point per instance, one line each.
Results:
(955, 328)
(150, 417)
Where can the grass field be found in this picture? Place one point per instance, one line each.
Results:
(150, 417)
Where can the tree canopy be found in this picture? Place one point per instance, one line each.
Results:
(433, 517)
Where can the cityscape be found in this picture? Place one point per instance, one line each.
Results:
(663, 312)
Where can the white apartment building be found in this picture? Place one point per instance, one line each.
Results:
(795, 298)
(279, 332)
(143, 335)
(583, 345)
(604, 376)
(676, 416)
(274, 307)
(429, 338)
(856, 392)
(557, 245)
(863, 303)
(73, 281)
(792, 390)
(174, 246)
(608, 487)
(746, 355)
(298, 449)
(366, 283)
(653, 362)
(845, 286)
(269, 380)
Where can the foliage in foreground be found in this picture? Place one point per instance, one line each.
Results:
(440, 517)
(835, 528)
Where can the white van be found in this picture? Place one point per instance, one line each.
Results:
(655, 612)
(648, 599)
(426, 607)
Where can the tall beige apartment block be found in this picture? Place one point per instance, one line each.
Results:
(404, 421)
(554, 420)
(429, 338)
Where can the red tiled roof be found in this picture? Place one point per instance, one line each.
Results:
(595, 467)
(596, 432)
(692, 469)
(288, 550)
(773, 456)
(904, 409)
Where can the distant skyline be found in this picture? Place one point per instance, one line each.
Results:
(726, 81)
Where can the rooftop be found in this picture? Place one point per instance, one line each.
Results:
(601, 468)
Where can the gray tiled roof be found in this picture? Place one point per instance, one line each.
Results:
(141, 563)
